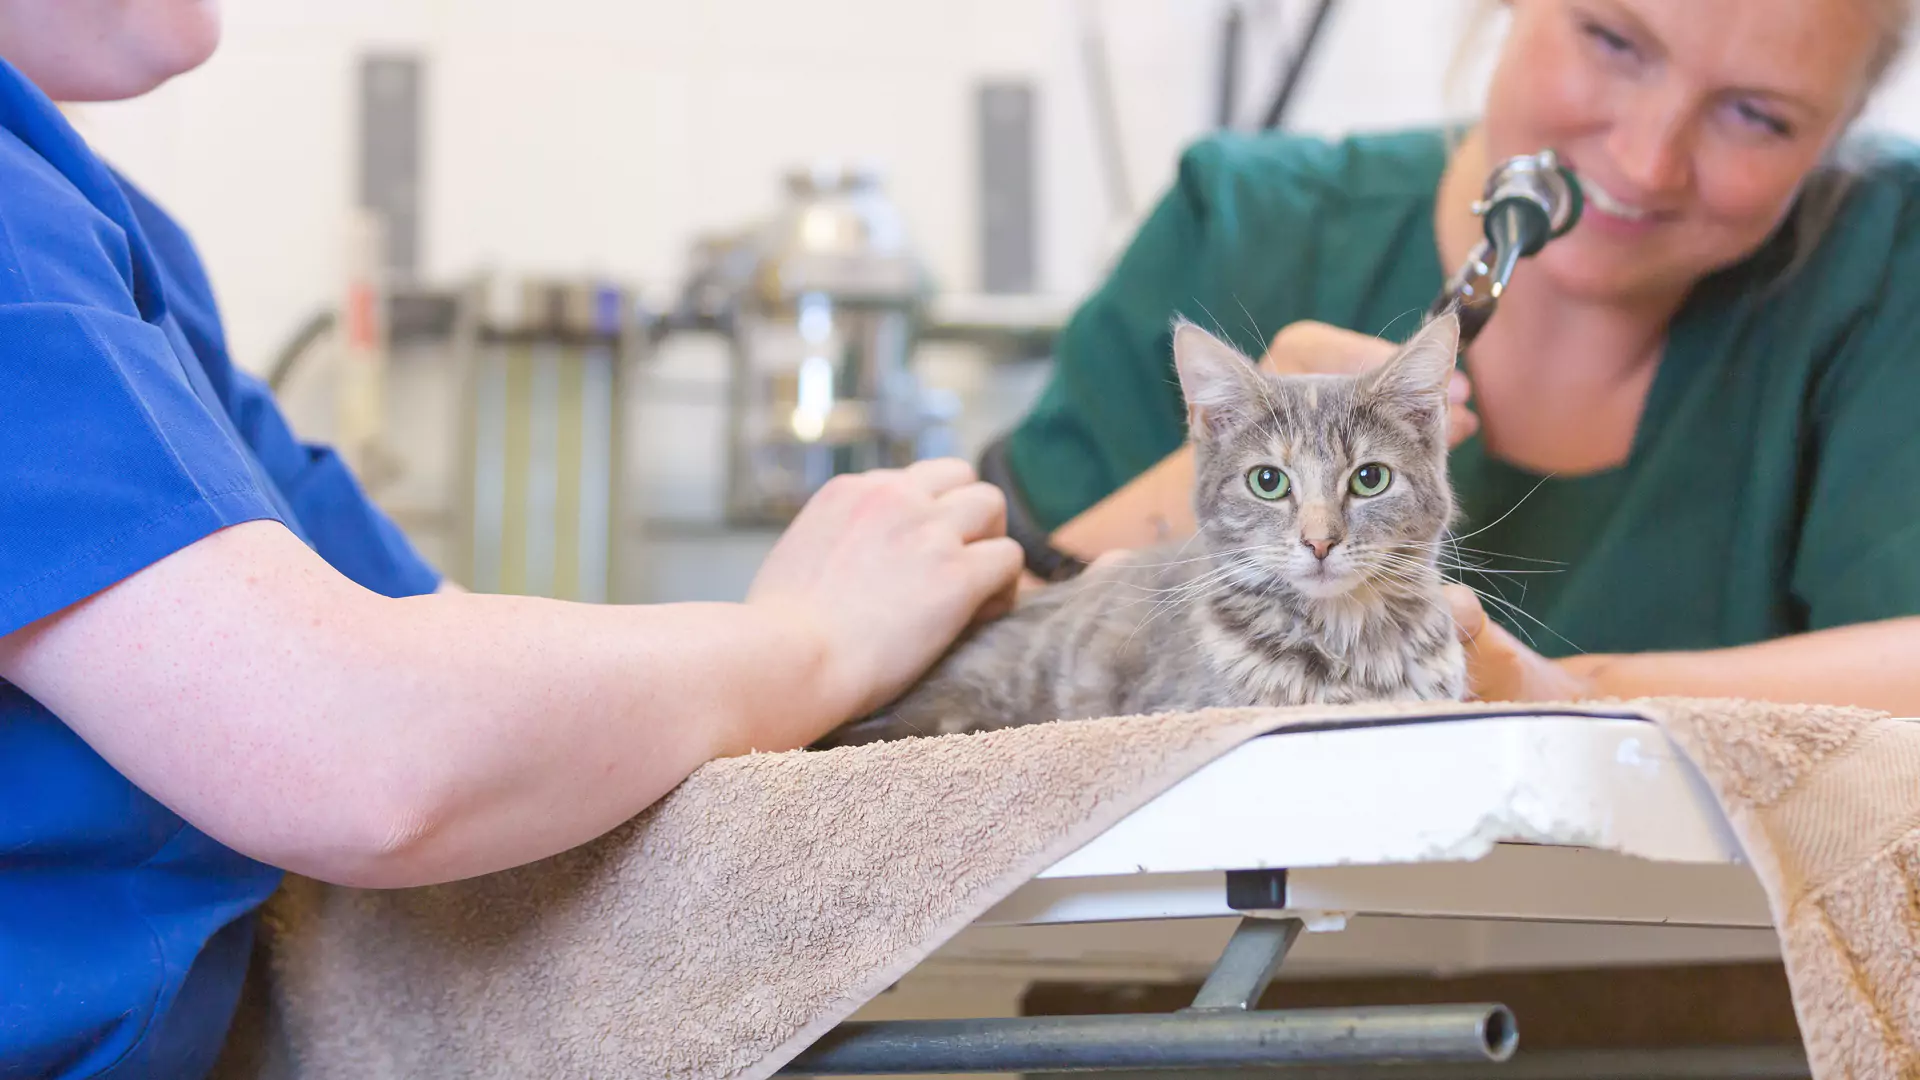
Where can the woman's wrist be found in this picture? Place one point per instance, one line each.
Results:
(1618, 675)
(802, 693)
(1152, 508)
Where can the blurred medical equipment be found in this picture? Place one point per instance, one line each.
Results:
(1528, 200)
(1296, 66)
(1239, 21)
(495, 428)
(499, 425)
(820, 306)
(544, 367)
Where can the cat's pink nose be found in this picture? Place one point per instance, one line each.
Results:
(1320, 547)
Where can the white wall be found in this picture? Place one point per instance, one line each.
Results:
(599, 135)
(593, 135)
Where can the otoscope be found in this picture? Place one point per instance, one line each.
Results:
(1528, 201)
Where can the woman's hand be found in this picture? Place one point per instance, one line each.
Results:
(884, 569)
(1501, 668)
(1316, 348)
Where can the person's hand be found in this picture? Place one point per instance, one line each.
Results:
(1501, 668)
(1316, 348)
(884, 569)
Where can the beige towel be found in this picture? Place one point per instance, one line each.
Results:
(771, 896)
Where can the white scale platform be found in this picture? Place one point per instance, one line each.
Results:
(1515, 841)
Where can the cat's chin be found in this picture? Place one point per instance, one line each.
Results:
(1320, 583)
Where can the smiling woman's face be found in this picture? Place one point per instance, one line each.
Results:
(105, 50)
(1692, 124)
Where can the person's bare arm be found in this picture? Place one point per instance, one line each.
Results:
(1154, 506)
(319, 727)
(1158, 504)
(1870, 665)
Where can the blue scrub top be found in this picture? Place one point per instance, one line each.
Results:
(125, 434)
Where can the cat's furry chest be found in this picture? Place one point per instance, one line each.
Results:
(1273, 651)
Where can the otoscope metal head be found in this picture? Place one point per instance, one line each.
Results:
(1528, 200)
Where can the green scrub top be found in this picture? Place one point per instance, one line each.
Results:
(1773, 485)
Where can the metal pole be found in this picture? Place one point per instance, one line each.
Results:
(1203, 1039)
(1290, 81)
(1247, 964)
(1230, 32)
(1106, 114)
(1669, 1063)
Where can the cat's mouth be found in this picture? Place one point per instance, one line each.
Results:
(1325, 579)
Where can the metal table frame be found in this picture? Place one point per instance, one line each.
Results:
(1565, 818)
(1221, 1029)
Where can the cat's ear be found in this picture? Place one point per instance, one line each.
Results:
(1221, 386)
(1415, 379)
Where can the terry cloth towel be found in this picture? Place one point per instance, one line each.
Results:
(769, 897)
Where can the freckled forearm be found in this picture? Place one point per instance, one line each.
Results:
(1155, 506)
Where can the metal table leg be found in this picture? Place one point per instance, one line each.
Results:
(1660, 1063)
(1220, 1029)
(1247, 964)
(1215, 1039)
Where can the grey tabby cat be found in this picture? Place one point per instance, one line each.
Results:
(1322, 501)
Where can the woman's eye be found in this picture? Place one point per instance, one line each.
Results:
(1607, 39)
(1758, 118)
(1370, 480)
(1267, 482)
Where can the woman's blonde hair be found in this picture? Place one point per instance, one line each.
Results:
(1826, 186)
(1895, 18)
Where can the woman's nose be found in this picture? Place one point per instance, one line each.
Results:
(1651, 146)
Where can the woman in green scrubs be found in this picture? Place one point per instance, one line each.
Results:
(1693, 441)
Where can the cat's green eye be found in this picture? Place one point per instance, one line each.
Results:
(1370, 480)
(1268, 482)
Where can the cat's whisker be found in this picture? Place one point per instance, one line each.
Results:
(1416, 575)
(1202, 558)
(1162, 606)
(1508, 605)
(1219, 328)
(1496, 521)
(1525, 614)
(1397, 571)
(1252, 323)
(1442, 564)
(1198, 589)
(1448, 543)
(1470, 568)
(1194, 590)
(1415, 562)
(1492, 578)
(1185, 585)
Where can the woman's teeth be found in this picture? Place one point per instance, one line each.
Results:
(1607, 203)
